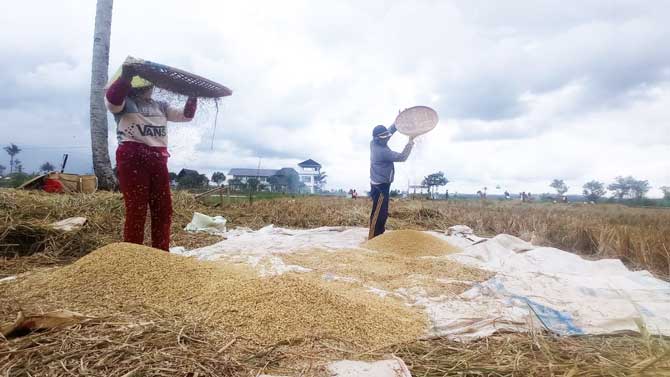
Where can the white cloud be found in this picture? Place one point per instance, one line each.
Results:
(527, 91)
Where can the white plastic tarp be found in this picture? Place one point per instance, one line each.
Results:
(564, 292)
(532, 286)
(262, 249)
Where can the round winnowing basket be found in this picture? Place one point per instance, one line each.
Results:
(416, 120)
(178, 81)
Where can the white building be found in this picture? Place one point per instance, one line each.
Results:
(245, 174)
(309, 171)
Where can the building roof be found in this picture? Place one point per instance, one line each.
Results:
(252, 172)
(309, 163)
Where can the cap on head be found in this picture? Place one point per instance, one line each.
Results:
(380, 132)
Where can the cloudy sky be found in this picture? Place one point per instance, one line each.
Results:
(526, 92)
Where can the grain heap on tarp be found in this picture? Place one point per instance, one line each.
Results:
(391, 271)
(398, 261)
(131, 278)
(410, 243)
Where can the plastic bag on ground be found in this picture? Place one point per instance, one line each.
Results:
(207, 224)
(385, 368)
(69, 224)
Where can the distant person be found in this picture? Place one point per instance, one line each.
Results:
(524, 198)
(507, 196)
(446, 195)
(142, 154)
(354, 194)
(382, 171)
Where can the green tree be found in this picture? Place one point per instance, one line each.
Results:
(2, 169)
(218, 178)
(560, 186)
(620, 187)
(12, 150)
(173, 177)
(640, 189)
(252, 184)
(277, 184)
(434, 180)
(629, 187)
(320, 180)
(19, 178)
(47, 167)
(236, 184)
(594, 190)
(295, 185)
(665, 189)
(286, 180)
(18, 166)
(192, 180)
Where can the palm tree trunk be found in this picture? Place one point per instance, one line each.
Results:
(99, 141)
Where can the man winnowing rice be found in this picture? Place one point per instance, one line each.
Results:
(382, 170)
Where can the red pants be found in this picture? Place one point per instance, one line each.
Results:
(145, 182)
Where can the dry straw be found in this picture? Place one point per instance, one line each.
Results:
(167, 346)
(538, 354)
(638, 236)
(25, 217)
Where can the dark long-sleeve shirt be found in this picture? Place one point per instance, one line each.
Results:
(382, 159)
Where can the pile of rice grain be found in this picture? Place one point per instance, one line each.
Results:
(410, 243)
(127, 277)
(438, 276)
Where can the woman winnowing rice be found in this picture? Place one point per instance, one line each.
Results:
(141, 158)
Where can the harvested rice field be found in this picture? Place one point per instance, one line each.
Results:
(640, 237)
(155, 314)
